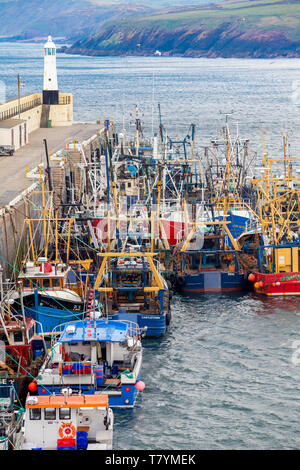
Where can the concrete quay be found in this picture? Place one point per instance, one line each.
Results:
(12, 169)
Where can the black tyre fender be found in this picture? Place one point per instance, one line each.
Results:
(180, 281)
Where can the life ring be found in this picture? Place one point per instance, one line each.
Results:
(67, 431)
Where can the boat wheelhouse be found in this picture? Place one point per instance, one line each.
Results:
(22, 352)
(92, 357)
(81, 422)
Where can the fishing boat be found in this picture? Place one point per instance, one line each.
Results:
(22, 347)
(22, 353)
(47, 284)
(53, 289)
(67, 422)
(278, 253)
(93, 357)
(283, 277)
(209, 260)
(131, 288)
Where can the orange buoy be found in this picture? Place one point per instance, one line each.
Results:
(32, 387)
(251, 277)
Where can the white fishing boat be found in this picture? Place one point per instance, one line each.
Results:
(66, 422)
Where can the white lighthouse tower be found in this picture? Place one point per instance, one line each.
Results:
(50, 90)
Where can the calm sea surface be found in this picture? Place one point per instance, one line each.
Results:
(223, 376)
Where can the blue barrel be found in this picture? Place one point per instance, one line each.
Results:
(115, 370)
(98, 370)
(82, 440)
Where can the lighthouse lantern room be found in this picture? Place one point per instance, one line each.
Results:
(50, 90)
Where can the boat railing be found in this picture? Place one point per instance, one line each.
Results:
(133, 329)
(38, 329)
(8, 289)
(233, 203)
(56, 332)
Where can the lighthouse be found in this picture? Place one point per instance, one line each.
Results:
(50, 90)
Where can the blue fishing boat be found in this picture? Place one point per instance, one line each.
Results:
(131, 288)
(94, 357)
(207, 277)
(214, 267)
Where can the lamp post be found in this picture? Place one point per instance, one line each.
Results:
(19, 98)
(19, 93)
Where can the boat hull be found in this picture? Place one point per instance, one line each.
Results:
(124, 398)
(51, 317)
(278, 284)
(52, 301)
(156, 324)
(211, 282)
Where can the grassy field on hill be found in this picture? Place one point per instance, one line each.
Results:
(266, 14)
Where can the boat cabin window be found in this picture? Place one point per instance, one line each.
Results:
(55, 283)
(18, 337)
(3, 339)
(50, 414)
(26, 283)
(45, 283)
(35, 414)
(64, 413)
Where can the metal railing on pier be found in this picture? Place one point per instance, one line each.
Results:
(16, 110)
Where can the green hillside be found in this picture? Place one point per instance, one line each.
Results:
(235, 28)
